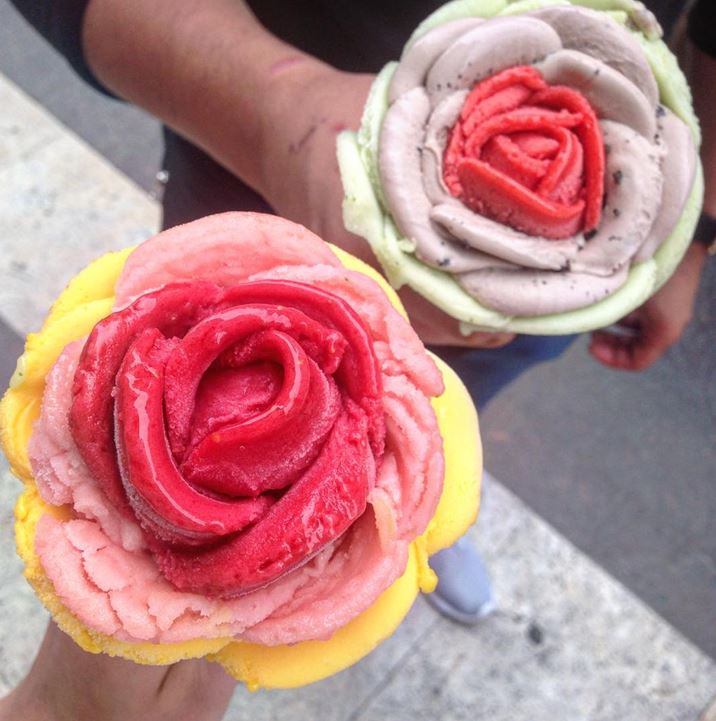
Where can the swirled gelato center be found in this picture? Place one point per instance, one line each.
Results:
(242, 427)
(528, 155)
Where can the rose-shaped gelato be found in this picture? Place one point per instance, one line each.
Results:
(230, 452)
(529, 165)
(527, 155)
(221, 414)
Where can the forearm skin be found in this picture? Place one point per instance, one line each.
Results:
(206, 68)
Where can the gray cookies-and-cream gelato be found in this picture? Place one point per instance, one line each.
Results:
(467, 252)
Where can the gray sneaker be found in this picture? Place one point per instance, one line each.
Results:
(463, 593)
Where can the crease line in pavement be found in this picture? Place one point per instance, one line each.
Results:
(393, 672)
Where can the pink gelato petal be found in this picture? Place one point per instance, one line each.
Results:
(225, 249)
(63, 565)
(357, 572)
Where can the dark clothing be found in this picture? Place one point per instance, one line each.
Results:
(355, 36)
(702, 26)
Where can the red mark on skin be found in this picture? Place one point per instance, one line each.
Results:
(284, 64)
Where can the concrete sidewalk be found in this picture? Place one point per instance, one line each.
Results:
(569, 642)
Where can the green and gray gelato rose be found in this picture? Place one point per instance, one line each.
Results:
(529, 166)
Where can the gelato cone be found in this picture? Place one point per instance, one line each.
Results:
(230, 452)
(528, 166)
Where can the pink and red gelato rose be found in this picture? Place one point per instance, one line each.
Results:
(218, 416)
(245, 446)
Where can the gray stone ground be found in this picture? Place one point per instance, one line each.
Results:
(625, 472)
(30, 62)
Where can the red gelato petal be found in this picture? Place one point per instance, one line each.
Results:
(172, 310)
(536, 146)
(498, 196)
(502, 154)
(164, 503)
(563, 181)
(502, 92)
(317, 509)
(225, 396)
(359, 373)
(498, 104)
(519, 76)
(261, 454)
(526, 118)
(244, 325)
(590, 136)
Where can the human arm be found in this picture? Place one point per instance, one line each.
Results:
(655, 326)
(659, 323)
(265, 110)
(68, 684)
